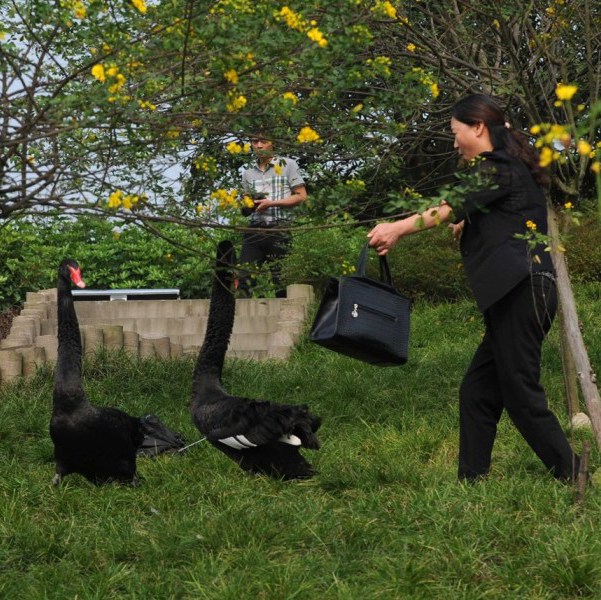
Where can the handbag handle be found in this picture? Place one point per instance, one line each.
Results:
(384, 267)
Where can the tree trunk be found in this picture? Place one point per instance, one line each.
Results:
(573, 335)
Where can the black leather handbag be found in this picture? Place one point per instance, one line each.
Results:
(364, 318)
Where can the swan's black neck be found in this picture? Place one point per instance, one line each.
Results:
(67, 378)
(220, 323)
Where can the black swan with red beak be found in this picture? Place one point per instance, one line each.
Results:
(261, 436)
(99, 443)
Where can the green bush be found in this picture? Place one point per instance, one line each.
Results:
(319, 254)
(31, 251)
(426, 265)
(583, 245)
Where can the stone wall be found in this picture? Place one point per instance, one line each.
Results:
(265, 328)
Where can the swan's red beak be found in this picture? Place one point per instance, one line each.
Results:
(76, 277)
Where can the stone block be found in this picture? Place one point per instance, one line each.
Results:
(50, 345)
(155, 347)
(11, 365)
(92, 338)
(112, 337)
(301, 291)
(15, 341)
(131, 343)
(33, 357)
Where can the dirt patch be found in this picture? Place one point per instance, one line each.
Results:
(6, 320)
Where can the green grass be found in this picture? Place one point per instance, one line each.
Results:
(384, 517)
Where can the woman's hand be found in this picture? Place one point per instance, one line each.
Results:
(384, 236)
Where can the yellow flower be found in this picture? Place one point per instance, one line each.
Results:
(568, 206)
(546, 157)
(231, 76)
(115, 199)
(584, 147)
(234, 148)
(565, 92)
(535, 129)
(146, 104)
(79, 10)
(225, 199)
(236, 104)
(2, 35)
(596, 167)
(531, 225)
(246, 148)
(357, 108)
(278, 169)
(140, 5)
(293, 20)
(290, 96)
(119, 83)
(385, 9)
(411, 47)
(307, 135)
(112, 71)
(98, 73)
(316, 35)
(434, 90)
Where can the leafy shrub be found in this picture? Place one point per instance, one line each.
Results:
(426, 265)
(583, 245)
(31, 251)
(319, 254)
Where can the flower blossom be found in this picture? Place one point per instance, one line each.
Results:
(234, 148)
(307, 135)
(236, 104)
(316, 35)
(231, 76)
(565, 92)
(98, 72)
(140, 5)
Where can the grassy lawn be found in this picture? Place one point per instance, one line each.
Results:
(384, 517)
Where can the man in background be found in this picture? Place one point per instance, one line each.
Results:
(276, 187)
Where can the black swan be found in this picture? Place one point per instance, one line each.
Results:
(261, 436)
(100, 443)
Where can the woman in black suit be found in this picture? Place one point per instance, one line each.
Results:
(514, 287)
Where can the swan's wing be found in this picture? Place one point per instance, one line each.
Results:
(251, 423)
(241, 442)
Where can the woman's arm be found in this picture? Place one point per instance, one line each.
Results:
(385, 235)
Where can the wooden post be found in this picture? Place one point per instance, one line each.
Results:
(570, 377)
(569, 316)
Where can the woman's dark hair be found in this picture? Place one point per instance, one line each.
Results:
(479, 108)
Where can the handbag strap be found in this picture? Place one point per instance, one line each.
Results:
(384, 266)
